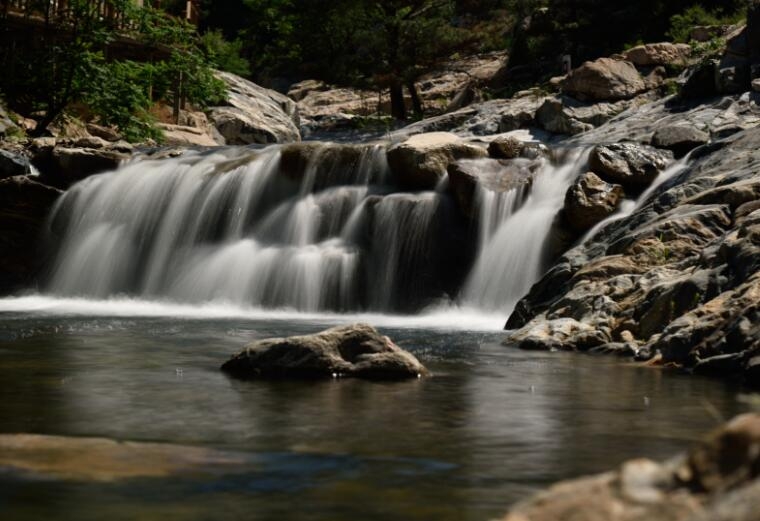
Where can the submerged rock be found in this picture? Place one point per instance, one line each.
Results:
(717, 480)
(357, 351)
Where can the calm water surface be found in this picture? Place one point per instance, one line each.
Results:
(493, 425)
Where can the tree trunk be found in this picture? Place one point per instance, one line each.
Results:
(416, 101)
(398, 109)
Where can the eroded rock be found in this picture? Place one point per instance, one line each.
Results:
(632, 165)
(652, 54)
(680, 139)
(589, 201)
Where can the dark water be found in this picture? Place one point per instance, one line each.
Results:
(493, 425)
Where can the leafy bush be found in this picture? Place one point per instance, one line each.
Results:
(682, 24)
(225, 55)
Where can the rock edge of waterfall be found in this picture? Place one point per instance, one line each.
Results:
(353, 351)
(716, 480)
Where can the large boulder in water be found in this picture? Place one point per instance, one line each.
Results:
(254, 114)
(589, 201)
(605, 79)
(346, 351)
(24, 206)
(421, 161)
(632, 165)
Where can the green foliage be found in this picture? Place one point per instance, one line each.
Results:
(681, 24)
(225, 55)
(118, 95)
(70, 66)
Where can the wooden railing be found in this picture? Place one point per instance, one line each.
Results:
(59, 11)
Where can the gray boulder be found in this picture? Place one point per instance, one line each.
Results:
(420, 162)
(505, 148)
(254, 114)
(69, 165)
(605, 79)
(346, 351)
(679, 139)
(664, 53)
(632, 165)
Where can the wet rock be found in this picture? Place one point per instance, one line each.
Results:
(254, 114)
(69, 165)
(566, 115)
(420, 162)
(717, 480)
(13, 164)
(632, 165)
(494, 175)
(347, 351)
(652, 54)
(24, 206)
(505, 148)
(563, 334)
(605, 79)
(589, 201)
(679, 139)
(756, 84)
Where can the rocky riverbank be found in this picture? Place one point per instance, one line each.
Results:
(717, 480)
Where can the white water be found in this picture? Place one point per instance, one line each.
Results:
(513, 236)
(239, 226)
(628, 207)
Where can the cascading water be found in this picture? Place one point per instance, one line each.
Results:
(513, 233)
(310, 227)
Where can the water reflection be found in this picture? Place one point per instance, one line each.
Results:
(491, 426)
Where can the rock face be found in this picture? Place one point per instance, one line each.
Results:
(348, 351)
(505, 148)
(680, 139)
(421, 161)
(653, 54)
(65, 166)
(566, 115)
(589, 201)
(717, 480)
(632, 165)
(24, 206)
(254, 114)
(680, 276)
(13, 164)
(605, 79)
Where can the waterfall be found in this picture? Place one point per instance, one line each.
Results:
(309, 227)
(513, 232)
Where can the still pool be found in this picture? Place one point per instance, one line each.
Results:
(491, 426)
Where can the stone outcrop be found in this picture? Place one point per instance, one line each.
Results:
(680, 139)
(7, 126)
(718, 480)
(495, 175)
(357, 351)
(589, 201)
(632, 165)
(12, 164)
(505, 148)
(605, 79)
(679, 276)
(24, 206)
(63, 166)
(566, 115)
(420, 162)
(254, 114)
(653, 54)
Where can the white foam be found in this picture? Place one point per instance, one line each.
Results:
(447, 318)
